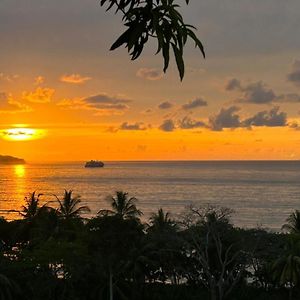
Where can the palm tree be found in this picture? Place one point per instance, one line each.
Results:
(31, 209)
(68, 206)
(161, 221)
(122, 206)
(286, 269)
(293, 223)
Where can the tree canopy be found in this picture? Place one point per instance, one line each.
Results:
(158, 19)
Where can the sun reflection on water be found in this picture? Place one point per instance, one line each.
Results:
(20, 171)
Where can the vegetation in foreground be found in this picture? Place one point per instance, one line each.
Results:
(54, 253)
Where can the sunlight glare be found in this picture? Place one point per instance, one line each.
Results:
(20, 171)
(21, 134)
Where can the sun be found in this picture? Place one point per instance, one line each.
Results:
(21, 134)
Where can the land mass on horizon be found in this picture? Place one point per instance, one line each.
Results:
(10, 160)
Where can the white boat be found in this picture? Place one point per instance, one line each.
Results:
(94, 164)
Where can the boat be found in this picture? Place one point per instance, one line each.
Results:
(94, 164)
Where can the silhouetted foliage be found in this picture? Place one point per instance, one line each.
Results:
(159, 19)
(56, 254)
(69, 206)
(122, 206)
(293, 223)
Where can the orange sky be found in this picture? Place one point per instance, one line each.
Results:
(57, 76)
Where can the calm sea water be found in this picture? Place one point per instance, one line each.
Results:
(262, 193)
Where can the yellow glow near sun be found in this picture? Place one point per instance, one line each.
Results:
(19, 171)
(22, 134)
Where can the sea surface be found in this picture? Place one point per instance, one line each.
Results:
(262, 193)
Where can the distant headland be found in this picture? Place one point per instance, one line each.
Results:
(10, 160)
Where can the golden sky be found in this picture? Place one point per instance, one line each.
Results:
(65, 97)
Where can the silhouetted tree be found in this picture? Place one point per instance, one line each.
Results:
(161, 221)
(69, 206)
(293, 223)
(122, 206)
(286, 269)
(31, 209)
(222, 263)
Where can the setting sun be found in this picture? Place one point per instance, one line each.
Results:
(21, 134)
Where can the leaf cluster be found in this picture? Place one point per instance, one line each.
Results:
(158, 19)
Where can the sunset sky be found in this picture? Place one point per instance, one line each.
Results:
(70, 98)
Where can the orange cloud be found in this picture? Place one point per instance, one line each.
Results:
(101, 104)
(40, 95)
(39, 80)
(74, 78)
(10, 106)
(9, 78)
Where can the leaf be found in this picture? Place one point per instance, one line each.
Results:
(123, 39)
(166, 55)
(179, 60)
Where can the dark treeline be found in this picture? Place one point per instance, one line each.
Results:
(53, 253)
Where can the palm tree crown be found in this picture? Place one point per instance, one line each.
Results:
(31, 209)
(122, 206)
(161, 221)
(293, 222)
(68, 206)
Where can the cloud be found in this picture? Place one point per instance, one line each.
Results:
(149, 74)
(167, 125)
(39, 80)
(74, 78)
(147, 111)
(134, 126)
(194, 104)
(226, 118)
(9, 78)
(233, 84)
(101, 104)
(256, 93)
(259, 93)
(165, 105)
(40, 95)
(294, 125)
(294, 76)
(10, 106)
(104, 101)
(271, 118)
(292, 98)
(188, 123)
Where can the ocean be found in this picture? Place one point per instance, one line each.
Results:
(261, 193)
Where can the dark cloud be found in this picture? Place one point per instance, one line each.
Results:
(165, 105)
(194, 104)
(148, 111)
(101, 104)
(189, 123)
(103, 101)
(167, 125)
(133, 126)
(271, 118)
(294, 76)
(233, 84)
(226, 118)
(259, 93)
